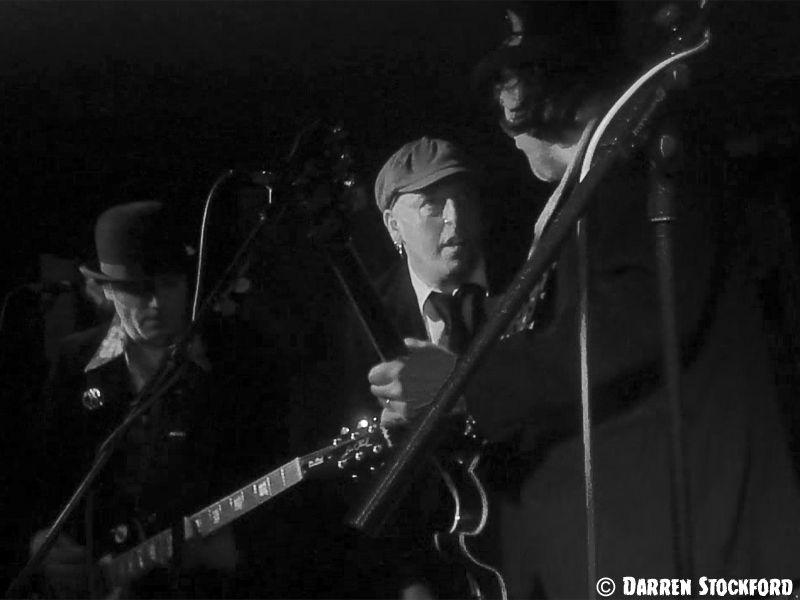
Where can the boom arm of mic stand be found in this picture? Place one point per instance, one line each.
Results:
(149, 395)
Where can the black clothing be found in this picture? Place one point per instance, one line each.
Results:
(199, 442)
(745, 501)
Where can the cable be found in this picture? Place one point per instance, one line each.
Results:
(201, 251)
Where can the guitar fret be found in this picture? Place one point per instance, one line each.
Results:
(231, 507)
(273, 484)
(237, 501)
(154, 551)
(158, 550)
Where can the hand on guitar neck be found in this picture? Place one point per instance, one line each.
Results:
(66, 569)
(405, 386)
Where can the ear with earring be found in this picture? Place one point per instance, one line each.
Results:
(398, 245)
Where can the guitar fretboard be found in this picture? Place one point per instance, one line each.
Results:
(157, 550)
(225, 511)
(154, 552)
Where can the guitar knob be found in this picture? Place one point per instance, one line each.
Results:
(344, 431)
(668, 16)
(342, 463)
(359, 456)
(92, 399)
(120, 534)
(377, 449)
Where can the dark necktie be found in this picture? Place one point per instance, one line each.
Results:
(463, 314)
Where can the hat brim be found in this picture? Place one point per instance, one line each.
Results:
(96, 275)
(434, 177)
(538, 50)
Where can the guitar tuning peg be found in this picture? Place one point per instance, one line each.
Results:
(120, 533)
(668, 16)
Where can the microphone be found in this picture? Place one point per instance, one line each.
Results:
(51, 287)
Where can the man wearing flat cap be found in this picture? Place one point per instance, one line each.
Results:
(175, 458)
(428, 193)
(549, 92)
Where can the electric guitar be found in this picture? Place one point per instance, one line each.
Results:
(352, 449)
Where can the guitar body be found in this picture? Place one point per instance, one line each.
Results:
(459, 539)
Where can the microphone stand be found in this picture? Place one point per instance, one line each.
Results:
(377, 504)
(172, 370)
(662, 215)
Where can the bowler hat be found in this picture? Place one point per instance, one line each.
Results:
(135, 242)
(416, 165)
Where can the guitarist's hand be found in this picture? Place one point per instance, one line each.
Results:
(217, 552)
(64, 566)
(405, 386)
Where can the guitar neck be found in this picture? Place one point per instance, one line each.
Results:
(159, 549)
(347, 265)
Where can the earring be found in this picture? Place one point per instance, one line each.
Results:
(398, 245)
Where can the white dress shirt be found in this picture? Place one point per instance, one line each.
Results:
(434, 324)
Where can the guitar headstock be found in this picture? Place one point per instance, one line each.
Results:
(355, 450)
(324, 183)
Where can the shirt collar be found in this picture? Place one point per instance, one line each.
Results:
(422, 290)
(112, 346)
(116, 341)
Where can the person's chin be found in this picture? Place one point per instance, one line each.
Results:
(157, 336)
(459, 262)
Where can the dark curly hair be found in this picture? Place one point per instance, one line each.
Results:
(553, 76)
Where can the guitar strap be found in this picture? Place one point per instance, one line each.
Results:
(527, 316)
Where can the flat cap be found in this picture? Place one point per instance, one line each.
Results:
(417, 165)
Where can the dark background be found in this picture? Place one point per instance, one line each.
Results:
(104, 102)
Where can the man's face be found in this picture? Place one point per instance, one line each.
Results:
(514, 95)
(152, 311)
(548, 160)
(513, 98)
(439, 227)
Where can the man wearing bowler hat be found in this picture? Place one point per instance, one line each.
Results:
(170, 463)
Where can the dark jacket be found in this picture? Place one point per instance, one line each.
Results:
(405, 553)
(199, 443)
(744, 499)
